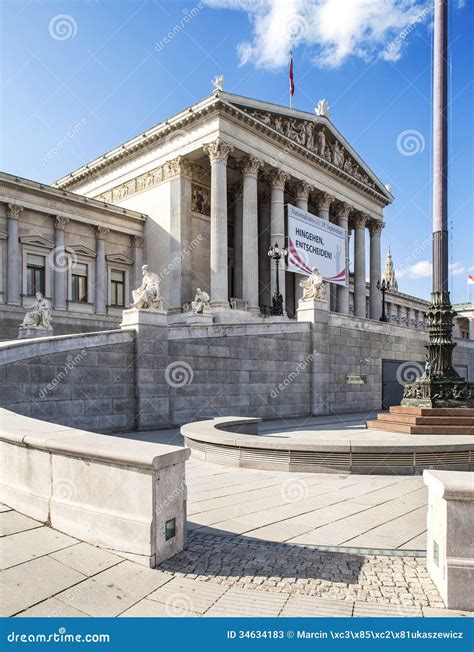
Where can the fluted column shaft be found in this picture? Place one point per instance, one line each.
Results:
(264, 228)
(238, 252)
(137, 251)
(250, 168)
(218, 152)
(60, 264)
(13, 255)
(302, 197)
(375, 270)
(101, 271)
(323, 204)
(343, 290)
(279, 178)
(359, 266)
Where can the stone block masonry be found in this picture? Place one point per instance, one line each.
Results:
(155, 376)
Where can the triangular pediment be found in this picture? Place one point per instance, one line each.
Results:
(119, 258)
(81, 250)
(37, 241)
(314, 133)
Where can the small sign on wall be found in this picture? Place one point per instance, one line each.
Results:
(355, 379)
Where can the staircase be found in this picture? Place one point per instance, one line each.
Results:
(425, 421)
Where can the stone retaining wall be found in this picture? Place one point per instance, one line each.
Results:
(156, 376)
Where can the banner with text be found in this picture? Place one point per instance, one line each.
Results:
(313, 242)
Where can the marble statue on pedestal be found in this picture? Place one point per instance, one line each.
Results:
(322, 108)
(39, 316)
(202, 303)
(313, 287)
(148, 296)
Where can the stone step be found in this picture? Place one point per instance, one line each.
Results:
(409, 429)
(416, 420)
(431, 412)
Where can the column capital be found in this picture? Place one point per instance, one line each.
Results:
(375, 227)
(360, 220)
(278, 178)
(178, 165)
(302, 189)
(14, 211)
(101, 232)
(324, 201)
(60, 222)
(137, 241)
(218, 150)
(251, 165)
(343, 210)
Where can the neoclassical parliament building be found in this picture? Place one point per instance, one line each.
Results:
(200, 198)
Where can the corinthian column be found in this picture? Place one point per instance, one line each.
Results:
(100, 271)
(323, 204)
(302, 196)
(250, 168)
(13, 255)
(359, 266)
(238, 216)
(218, 152)
(137, 249)
(264, 227)
(343, 211)
(375, 229)
(60, 264)
(277, 235)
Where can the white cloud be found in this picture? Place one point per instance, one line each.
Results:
(334, 30)
(423, 269)
(456, 268)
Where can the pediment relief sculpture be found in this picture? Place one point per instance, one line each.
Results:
(317, 139)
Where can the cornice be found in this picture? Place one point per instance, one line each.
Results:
(215, 104)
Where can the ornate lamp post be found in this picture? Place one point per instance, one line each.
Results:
(277, 300)
(384, 287)
(440, 385)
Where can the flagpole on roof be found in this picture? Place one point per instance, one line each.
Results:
(291, 80)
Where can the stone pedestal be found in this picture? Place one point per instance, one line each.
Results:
(450, 551)
(231, 316)
(204, 319)
(30, 333)
(134, 317)
(313, 311)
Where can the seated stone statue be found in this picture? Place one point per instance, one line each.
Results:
(148, 294)
(313, 287)
(39, 316)
(202, 303)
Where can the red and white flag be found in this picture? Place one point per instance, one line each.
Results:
(470, 279)
(292, 81)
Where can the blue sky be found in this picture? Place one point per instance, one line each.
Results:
(80, 77)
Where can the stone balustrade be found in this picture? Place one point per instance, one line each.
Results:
(124, 495)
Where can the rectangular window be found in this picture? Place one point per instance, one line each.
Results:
(35, 275)
(117, 290)
(79, 283)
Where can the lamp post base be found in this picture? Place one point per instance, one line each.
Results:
(428, 392)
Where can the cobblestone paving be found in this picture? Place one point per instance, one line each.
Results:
(289, 569)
